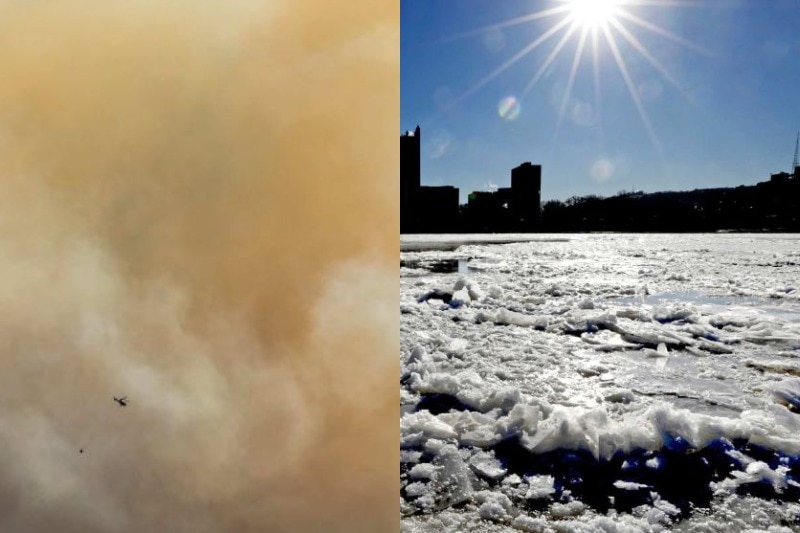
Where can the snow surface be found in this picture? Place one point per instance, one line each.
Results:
(602, 382)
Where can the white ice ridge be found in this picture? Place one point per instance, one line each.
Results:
(575, 428)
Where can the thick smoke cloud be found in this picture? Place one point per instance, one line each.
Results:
(199, 211)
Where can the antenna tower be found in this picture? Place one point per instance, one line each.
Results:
(794, 161)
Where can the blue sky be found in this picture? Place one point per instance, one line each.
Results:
(720, 107)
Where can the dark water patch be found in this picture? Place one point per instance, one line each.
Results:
(676, 473)
(436, 294)
(438, 403)
(778, 264)
(673, 320)
(438, 266)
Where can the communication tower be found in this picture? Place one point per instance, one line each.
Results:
(794, 161)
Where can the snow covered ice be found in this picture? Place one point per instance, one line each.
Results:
(603, 382)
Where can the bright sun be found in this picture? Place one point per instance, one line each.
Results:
(596, 25)
(593, 13)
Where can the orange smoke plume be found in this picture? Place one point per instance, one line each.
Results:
(199, 211)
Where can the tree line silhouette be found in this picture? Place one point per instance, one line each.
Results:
(767, 206)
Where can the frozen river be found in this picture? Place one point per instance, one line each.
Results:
(602, 382)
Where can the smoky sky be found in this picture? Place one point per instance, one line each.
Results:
(199, 211)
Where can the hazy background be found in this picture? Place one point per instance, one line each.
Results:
(198, 209)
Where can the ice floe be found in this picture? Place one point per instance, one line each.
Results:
(601, 383)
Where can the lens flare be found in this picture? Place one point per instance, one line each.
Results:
(494, 40)
(602, 170)
(440, 144)
(582, 114)
(509, 108)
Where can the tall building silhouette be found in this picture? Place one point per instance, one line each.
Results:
(423, 209)
(410, 177)
(526, 192)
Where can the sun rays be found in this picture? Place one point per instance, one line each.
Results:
(597, 27)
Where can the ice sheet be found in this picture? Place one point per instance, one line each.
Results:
(643, 377)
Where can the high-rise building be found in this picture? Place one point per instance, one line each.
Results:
(410, 172)
(526, 192)
(436, 209)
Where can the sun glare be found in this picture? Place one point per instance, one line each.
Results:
(598, 27)
(593, 13)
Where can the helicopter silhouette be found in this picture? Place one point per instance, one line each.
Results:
(121, 401)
